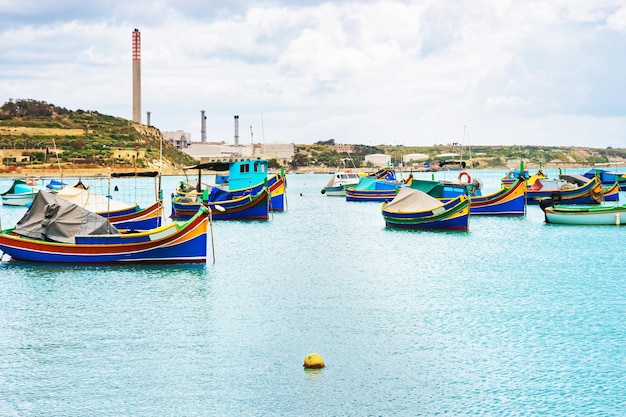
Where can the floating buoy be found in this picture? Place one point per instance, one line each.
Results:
(313, 361)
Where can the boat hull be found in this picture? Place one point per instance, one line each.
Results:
(370, 195)
(339, 191)
(21, 200)
(510, 201)
(586, 215)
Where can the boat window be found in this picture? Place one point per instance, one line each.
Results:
(244, 168)
(259, 167)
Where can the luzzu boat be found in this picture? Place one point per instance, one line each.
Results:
(54, 230)
(21, 193)
(243, 177)
(509, 201)
(559, 190)
(224, 205)
(414, 209)
(604, 214)
(608, 178)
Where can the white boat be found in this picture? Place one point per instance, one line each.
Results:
(21, 193)
(338, 183)
(603, 214)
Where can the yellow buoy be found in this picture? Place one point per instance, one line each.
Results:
(313, 361)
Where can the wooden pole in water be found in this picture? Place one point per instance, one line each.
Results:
(211, 228)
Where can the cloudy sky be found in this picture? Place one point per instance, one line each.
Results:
(481, 72)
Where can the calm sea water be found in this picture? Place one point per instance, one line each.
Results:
(515, 317)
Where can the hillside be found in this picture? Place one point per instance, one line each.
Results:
(476, 157)
(86, 138)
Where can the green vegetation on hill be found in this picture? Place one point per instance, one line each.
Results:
(86, 137)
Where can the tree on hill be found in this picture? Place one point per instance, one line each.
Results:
(30, 108)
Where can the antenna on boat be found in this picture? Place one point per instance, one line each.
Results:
(252, 139)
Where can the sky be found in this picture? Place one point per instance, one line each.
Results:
(412, 73)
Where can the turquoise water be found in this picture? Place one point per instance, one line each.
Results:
(515, 317)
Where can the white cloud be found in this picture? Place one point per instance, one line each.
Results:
(361, 72)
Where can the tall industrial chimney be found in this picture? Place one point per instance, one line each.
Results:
(236, 130)
(202, 126)
(136, 76)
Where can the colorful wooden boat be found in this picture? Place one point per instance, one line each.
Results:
(21, 193)
(54, 230)
(608, 192)
(604, 214)
(414, 209)
(243, 177)
(589, 193)
(225, 206)
(509, 201)
(608, 178)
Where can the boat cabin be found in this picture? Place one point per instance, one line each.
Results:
(237, 174)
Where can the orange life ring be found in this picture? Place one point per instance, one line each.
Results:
(465, 174)
(31, 181)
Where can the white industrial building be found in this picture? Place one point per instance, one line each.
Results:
(414, 157)
(207, 151)
(378, 159)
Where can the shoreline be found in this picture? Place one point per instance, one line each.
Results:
(103, 171)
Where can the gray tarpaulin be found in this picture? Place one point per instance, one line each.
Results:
(53, 218)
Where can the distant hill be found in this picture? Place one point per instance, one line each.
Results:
(91, 139)
(475, 156)
(86, 137)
